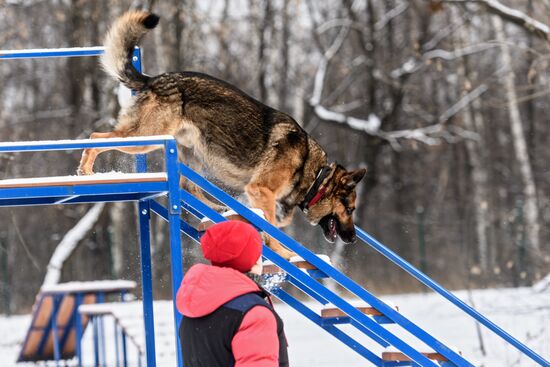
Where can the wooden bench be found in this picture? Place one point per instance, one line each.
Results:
(128, 319)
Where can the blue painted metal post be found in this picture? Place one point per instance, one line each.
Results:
(171, 152)
(94, 320)
(117, 352)
(124, 350)
(145, 241)
(55, 331)
(424, 279)
(141, 159)
(147, 281)
(78, 329)
(101, 329)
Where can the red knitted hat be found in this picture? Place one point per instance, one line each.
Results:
(233, 244)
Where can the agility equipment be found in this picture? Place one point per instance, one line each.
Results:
(160, 193)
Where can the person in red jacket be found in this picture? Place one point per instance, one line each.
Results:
(228, 319)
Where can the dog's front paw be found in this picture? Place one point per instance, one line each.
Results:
(84, 172)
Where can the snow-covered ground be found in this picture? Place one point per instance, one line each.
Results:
(523, 312)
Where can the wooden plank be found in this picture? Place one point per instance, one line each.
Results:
(32, 343)
(336, 312)
(203, 226)
(65, 310)
(82, 180)
(400, 357)
(44, 312)
(70, 345)
(272, 268)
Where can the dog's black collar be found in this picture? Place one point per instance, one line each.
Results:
(317, 189)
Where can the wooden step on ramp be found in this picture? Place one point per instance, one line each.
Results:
(271, 268)
(331, 311)
(229, 215)
(392, 354)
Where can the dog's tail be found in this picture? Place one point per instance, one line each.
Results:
(124, 35)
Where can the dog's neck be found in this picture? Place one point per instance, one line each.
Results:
(318, 188)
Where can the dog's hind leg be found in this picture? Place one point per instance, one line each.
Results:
(89, 155)
(264, 198)
(199, 194)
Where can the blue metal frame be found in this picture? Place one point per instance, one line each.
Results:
(176, 261)
(51, 52)
(427, 281)
(78, 330)
(146, 281)
(178, 199)
(48, 327)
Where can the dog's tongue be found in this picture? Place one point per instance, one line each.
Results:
(332, 228)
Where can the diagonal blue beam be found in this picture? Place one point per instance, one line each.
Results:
(331, 329)
(430, 283)
(55, 302)
(311, 283)
(336, 275)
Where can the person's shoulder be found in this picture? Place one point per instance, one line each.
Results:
(246, 302)
(259, 316)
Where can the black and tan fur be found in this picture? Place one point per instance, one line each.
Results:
(249, 146)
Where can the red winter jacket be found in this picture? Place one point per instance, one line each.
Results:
(205, 289)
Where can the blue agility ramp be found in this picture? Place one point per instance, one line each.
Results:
(147, 189)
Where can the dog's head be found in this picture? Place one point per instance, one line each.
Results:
(334, 211)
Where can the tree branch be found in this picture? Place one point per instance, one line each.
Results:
(69, 243)
(511, 15)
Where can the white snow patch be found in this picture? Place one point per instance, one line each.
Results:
(257, 211)
(323, 257)
(543, 284)
(520, 311)
(90, 286)
(82, 180)
(73, 142)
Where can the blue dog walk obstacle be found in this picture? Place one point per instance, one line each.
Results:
(146, 188)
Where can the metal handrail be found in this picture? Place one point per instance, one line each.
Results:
(40, 53)
(53, 145)
(433, 285)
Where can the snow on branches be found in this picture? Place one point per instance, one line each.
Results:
(512, 15)
(373, 125)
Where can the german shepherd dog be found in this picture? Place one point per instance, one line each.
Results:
(243, 143)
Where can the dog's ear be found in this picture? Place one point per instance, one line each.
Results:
(351, 179)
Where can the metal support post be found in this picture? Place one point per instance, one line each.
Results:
(78, 329)
(117, 352)
(147, 281)
(94, 321)
(141, 159)
(55, 331)
(171, 152)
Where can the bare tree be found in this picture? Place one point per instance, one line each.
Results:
(530, 202)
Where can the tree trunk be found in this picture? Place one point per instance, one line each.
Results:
(69, 243)
(530, 207)
(263, 34)
(283, 72)
(474, 156)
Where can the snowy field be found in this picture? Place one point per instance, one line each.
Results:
(523, 312)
